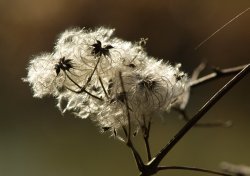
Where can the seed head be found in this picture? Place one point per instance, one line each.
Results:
(84, 73)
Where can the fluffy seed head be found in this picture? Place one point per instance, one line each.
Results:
(102, 77)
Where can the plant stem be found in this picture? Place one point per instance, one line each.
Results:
(219, 73)
(146, 137)
(82, 89)
(103, 88)
(91, 75)
(137, 156)
(234, 18)
(127, 107)
(160, 168)
(155, 161)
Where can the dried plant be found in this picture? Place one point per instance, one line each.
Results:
(117, 85)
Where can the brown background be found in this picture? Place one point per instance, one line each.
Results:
(35, 140)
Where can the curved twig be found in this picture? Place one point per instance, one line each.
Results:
(160, 168)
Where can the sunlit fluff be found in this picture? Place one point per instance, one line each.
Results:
(100, 77)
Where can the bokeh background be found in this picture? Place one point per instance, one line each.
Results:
(36, 140)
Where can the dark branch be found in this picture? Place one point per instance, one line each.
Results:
(82, 89)
(160, 168)
(103, 88)
(137, 156)
(72, 80)
(146, 132)
(91, 75)
(127, 107)
(147, 148)
(85, 91)
(155, 162)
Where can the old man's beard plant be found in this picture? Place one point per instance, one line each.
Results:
(98, 76)
(113, 82)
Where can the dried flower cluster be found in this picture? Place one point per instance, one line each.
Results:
(98, 76)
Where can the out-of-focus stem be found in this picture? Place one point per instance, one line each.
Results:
(160, 168)
(218, 73)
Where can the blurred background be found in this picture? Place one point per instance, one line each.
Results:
(36, 140)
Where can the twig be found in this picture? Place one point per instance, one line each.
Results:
(147, 148)
(82, 89)
(127, 107)
(198, 70)
(160, 168)
(137, 156)
(104, 90)
(139, 162)
(240, 170)
(218, 73)
(146, 132)
(155, 161)
(72, 80)
(237, 16)
(91, 75)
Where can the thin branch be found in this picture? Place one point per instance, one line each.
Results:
(160, 168)
(197, 71)
(125, 130)
(147, 148)
(234, 18)
(72, 80)
(127, 107)
(146, 133)
(226, 88)
(82, 89)
(90, 77)
(137, 156)
(139, 162)
(218, 73)
(104, 90)
(240, 170)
